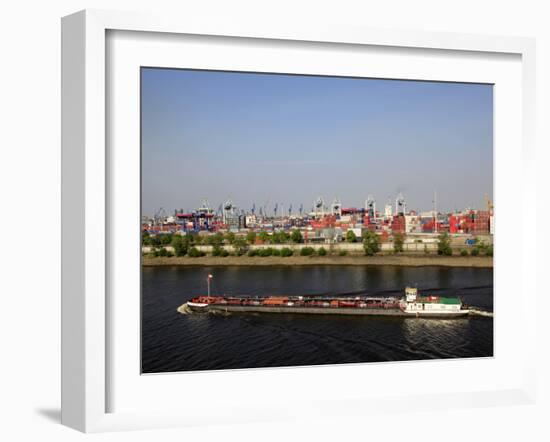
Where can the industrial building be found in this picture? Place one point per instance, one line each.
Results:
(325, 223)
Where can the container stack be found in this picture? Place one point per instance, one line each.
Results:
(398, 224)
(481, 222)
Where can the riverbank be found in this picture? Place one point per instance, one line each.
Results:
(395, 260)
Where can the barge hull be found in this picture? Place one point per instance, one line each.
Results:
(325, 311)
(307, 310)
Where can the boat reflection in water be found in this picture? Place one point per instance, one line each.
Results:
(440, 338)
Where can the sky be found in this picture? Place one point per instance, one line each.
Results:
(270, 138)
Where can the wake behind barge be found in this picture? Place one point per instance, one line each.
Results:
(411, 305)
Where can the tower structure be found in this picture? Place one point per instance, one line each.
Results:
(336, 208)
(400, 205)
(228, 211)
(388, 209)
(319, 207)
(370, 206)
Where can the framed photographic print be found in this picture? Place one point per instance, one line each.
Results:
(290, 218)
(334, 275)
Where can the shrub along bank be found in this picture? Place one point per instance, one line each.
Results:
(167, 246)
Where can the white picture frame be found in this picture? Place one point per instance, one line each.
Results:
(86, 315)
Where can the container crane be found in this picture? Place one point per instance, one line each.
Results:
(488, 202)
(159, 216)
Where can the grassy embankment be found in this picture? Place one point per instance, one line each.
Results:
(398, 259)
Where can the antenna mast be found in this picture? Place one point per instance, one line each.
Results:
(208, 282)
(435, 211)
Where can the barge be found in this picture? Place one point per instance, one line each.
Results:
(410, 305)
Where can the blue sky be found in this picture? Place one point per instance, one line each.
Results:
(271, 138)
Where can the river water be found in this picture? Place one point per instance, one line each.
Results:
(176, 342)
